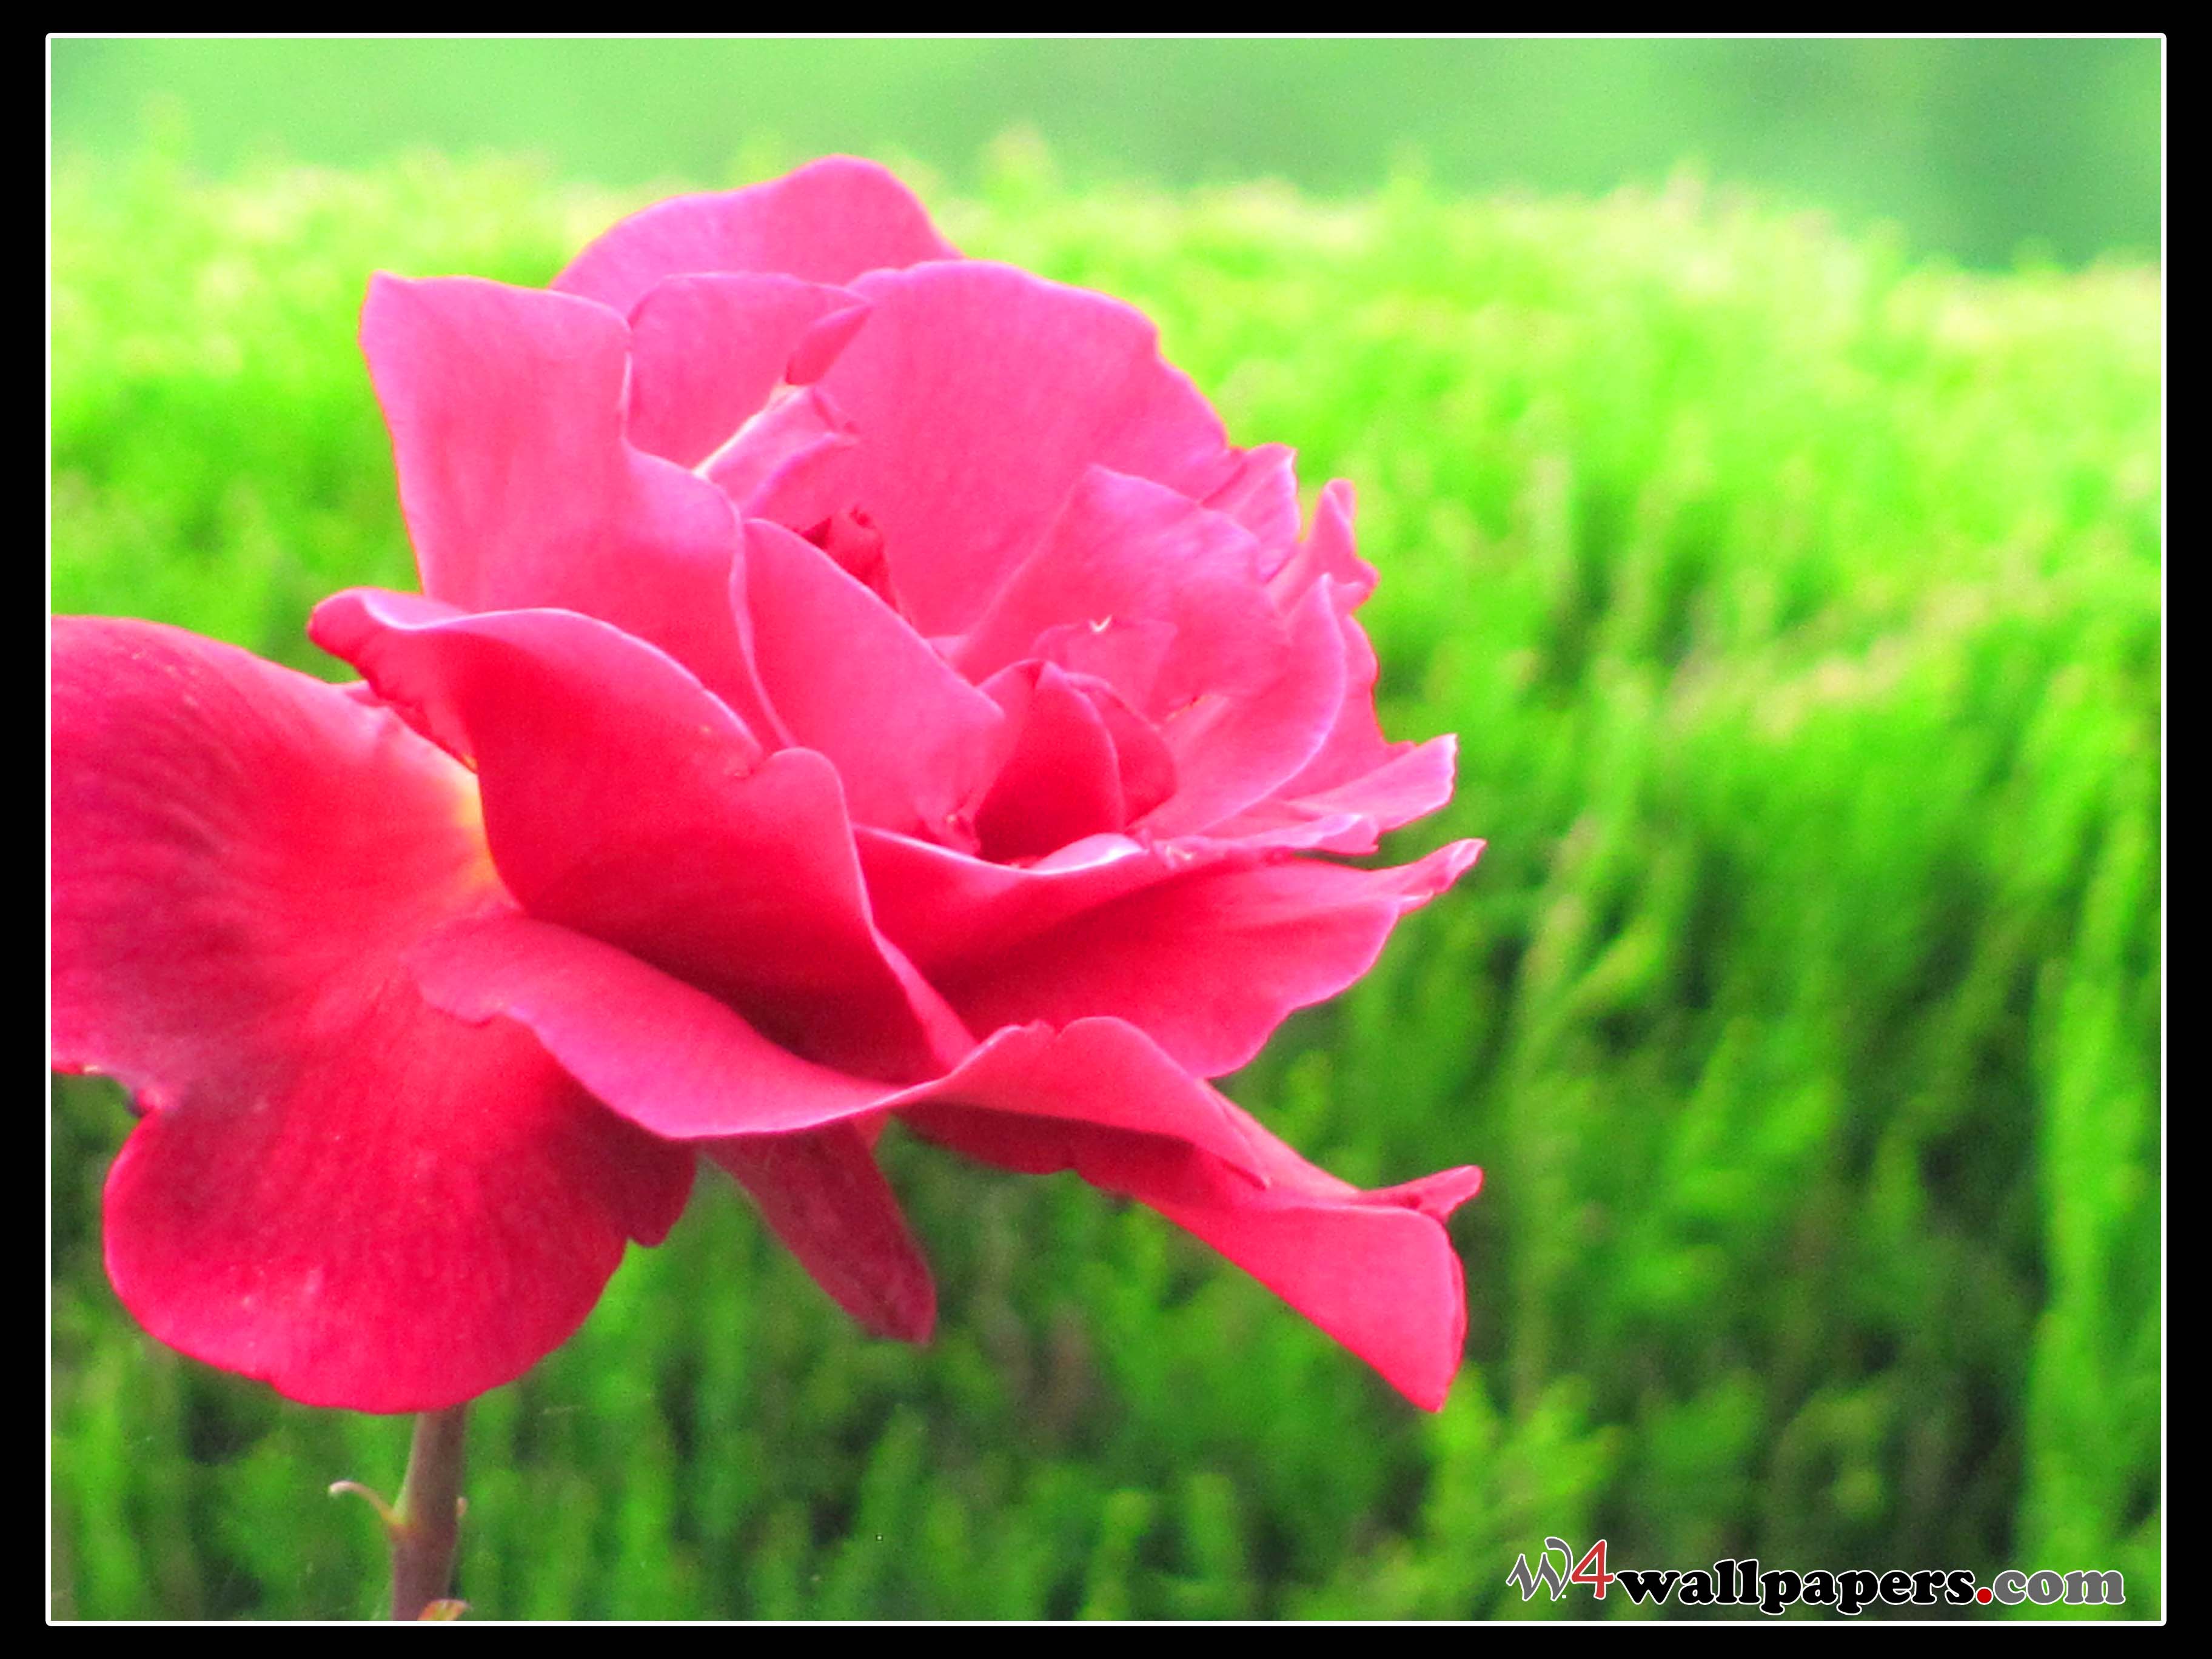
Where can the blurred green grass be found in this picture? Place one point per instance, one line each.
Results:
(1974, 148)
(1798, 605)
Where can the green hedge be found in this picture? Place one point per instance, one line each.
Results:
(1799, 612)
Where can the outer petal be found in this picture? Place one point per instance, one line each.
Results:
(1411, 781)
(663, 1053)
(335, 1186)
(911, 739)
(1327, 551)
(826, 223)
(824, 1197)
(1375, 1270)
(507, 411)
(979, 394)
(1208, 964)
(682, 1065)
(623, 800)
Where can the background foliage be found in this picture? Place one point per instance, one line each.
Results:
(1798, 605)
(1975, 147)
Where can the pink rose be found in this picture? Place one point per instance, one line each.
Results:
(849, 681)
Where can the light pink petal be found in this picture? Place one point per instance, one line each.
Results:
(1207, 964)
(826, 223)
(912, 740)
(826, 1199)
(979, 394)
(1262, 496)
(623, 800)
(1327, 551)
(335, 1186)
(1129, 653)
(1375, 1270)
(1355, 745)
(1411, 780)
(1125, 550)
(794, 451)
(1233, 749)
(707, 351)
(520, 487)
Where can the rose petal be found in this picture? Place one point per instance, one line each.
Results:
(1102, 1074)
(1125, 550)
(823, 1196)
(1412, 780)
(1062, 781)
(680, 1064)
(1234, 749)
(1209, 963)
(911, 739)
(797, 450)
(979, 394)
(334, 1187)
(939, 905)
(1375, 1270)
(705, 352)
(663, 1053)
(826, 223)
(623, 800)
(1262, 496)
(1327, 551)
(519, 485)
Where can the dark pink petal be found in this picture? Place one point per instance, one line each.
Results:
(826, 1199)
(941, 905)
(945, 908)
(979, 394)
(520, 487)
(1147, 769)
(680, 1064)
(667, 1056)
(826, 223)
(1207, 964)
(912, 740)
(1126, 549)
(707, 351)
(623, 800)
(1062, 781)
(335, 1186)
(1375, 1270)
(1234, 749)
(1098, 1074)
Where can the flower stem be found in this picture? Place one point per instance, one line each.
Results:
(425, 1523)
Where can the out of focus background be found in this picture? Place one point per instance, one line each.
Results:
(1761, 444)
